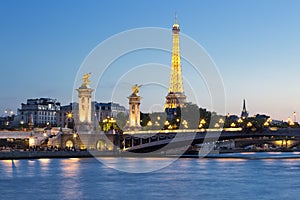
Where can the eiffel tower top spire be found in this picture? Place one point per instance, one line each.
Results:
(176, 20)
(175, 97)
(244, 114)
(176, 76)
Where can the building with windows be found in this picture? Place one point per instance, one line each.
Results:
(104, 110)
(65, 116)
(39, 112)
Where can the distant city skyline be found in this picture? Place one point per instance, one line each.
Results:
(255, 45)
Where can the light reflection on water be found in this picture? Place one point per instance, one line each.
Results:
(134, 165)
(184, 179)
(70, 187)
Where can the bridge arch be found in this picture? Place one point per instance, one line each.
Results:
(102, 145)
(69, 144)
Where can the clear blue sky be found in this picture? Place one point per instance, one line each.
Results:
(255, 44)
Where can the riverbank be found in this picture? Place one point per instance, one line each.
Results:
(46, 154)
(14, 155)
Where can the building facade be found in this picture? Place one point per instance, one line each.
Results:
(104, 110)
(39, 112)
(65, 116)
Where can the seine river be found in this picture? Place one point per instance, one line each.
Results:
(186, 178)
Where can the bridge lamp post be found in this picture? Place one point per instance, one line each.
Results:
(269, 120)
(217, 125)
(233, 125)
(290, 122)
(167, 124)
(149, 123)
(240, 121)
(202, 123)
(185, 124)
(266, 124)
(249, 124)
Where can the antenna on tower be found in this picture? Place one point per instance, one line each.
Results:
(176, 20)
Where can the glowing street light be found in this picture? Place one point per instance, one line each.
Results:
(69, 115)
(221, 121)
(290, 122)
(202, 121)
(9, 112)
(232, 124)
(266, 123)
(31, 141)
(185, 124)
(249, 124)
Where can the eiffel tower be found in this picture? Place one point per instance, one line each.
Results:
(175, 99)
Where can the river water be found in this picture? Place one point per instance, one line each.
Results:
(186, 178)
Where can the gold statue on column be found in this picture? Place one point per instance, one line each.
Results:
(136, 89)
(86, 80)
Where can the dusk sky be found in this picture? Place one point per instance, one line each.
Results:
(254, 43)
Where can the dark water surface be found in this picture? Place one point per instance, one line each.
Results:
(186, 178)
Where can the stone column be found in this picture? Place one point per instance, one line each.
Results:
(134, 109)
(84, 118)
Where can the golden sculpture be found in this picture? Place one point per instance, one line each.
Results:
(86, 80)
(136, 89)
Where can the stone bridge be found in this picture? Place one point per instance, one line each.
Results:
(146, 141)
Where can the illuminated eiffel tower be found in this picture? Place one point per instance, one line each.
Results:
(175, 98)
